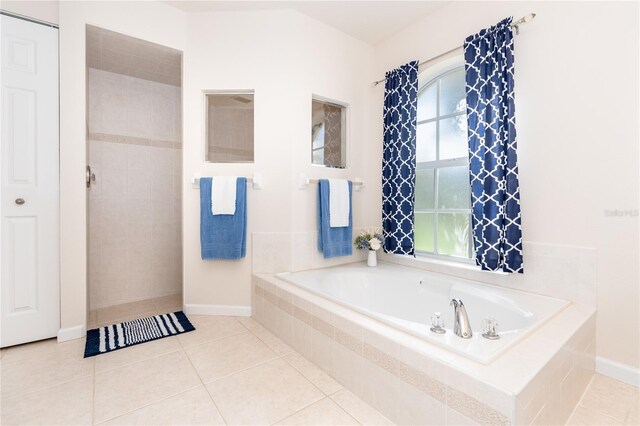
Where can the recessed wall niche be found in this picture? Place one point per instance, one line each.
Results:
(229, 127)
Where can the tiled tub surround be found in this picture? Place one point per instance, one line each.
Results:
(135, 151)
(538, 381)
(565, 272)
(294, 251)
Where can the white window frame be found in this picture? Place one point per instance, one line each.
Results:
(436, 165)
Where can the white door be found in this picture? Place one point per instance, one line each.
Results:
(29, 202)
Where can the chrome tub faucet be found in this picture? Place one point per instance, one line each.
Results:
(461, 325)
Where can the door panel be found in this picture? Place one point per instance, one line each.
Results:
(29, 190)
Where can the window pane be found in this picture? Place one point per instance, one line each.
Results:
(427, 102)
(425, 193)
(453, 234)
(453, 138)
(318, 156)
(453, 188)
(426, 142)
(424, 232)
(317, 136)
(328, 130)
(452, 93)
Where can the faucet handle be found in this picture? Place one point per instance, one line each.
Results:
(490, 328)
(437, 323)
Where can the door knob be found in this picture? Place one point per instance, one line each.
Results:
(19, 201)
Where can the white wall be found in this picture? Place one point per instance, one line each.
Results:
(577, 120)
(46, 11)
(145, 20)
(285, 57)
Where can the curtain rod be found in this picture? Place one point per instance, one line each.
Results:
(516, 25)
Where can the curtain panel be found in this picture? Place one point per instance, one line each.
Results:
(493, 168)
(399, 158)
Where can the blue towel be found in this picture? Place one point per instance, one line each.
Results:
(223, 236)
(333, 242)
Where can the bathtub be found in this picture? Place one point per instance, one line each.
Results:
(368, 328)
(405, 298)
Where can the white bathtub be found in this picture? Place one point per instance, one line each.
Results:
(406, 298)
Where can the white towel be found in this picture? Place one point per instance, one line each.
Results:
(223, 194)
(338, 203)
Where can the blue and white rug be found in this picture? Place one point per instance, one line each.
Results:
(124, 334)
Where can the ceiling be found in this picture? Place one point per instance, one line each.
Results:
(369, 21)
(121, 54)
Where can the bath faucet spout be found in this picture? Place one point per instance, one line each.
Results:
(461, 326)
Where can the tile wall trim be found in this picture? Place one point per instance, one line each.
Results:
(131, 140)
(451, 397)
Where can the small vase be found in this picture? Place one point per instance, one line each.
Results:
(372, 260)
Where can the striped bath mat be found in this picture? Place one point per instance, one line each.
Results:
(124, 334)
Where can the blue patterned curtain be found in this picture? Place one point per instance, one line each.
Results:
(493, 168)
(399, 158)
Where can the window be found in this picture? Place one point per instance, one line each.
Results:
(328, 134)
(229, 127)
(442, 203)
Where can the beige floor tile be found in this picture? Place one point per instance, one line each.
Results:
(40, 350)
(633, 418)
(312, 372)
(136, 353)
(323, 412)
(193, 407)
(263, 394)
(270, 339)
(223, 357)
(125, 311)
(610, 397)
(359, 409)
(135, 385)
(40, 370)
(250, 323)
(585, 417)
(209, 328)
(167, 304)
(66, 404)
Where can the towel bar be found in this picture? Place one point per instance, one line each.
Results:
(304, 181)
(255, 181)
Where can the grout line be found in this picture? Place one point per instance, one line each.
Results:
(303, 408)
(586, 390)
(147, 405)
(205, 387)
(242, 370)
(591, 410)
(215, 339)
(21, 394)
(148, 358)
(305, 376)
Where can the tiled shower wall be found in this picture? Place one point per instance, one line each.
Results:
(135, 150)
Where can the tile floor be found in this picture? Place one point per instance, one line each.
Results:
(229, 371)
(607, 402)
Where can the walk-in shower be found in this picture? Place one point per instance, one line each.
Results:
(134, 133)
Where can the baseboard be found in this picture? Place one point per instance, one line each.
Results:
(615, 370)
(71, 333)
(236, 311)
